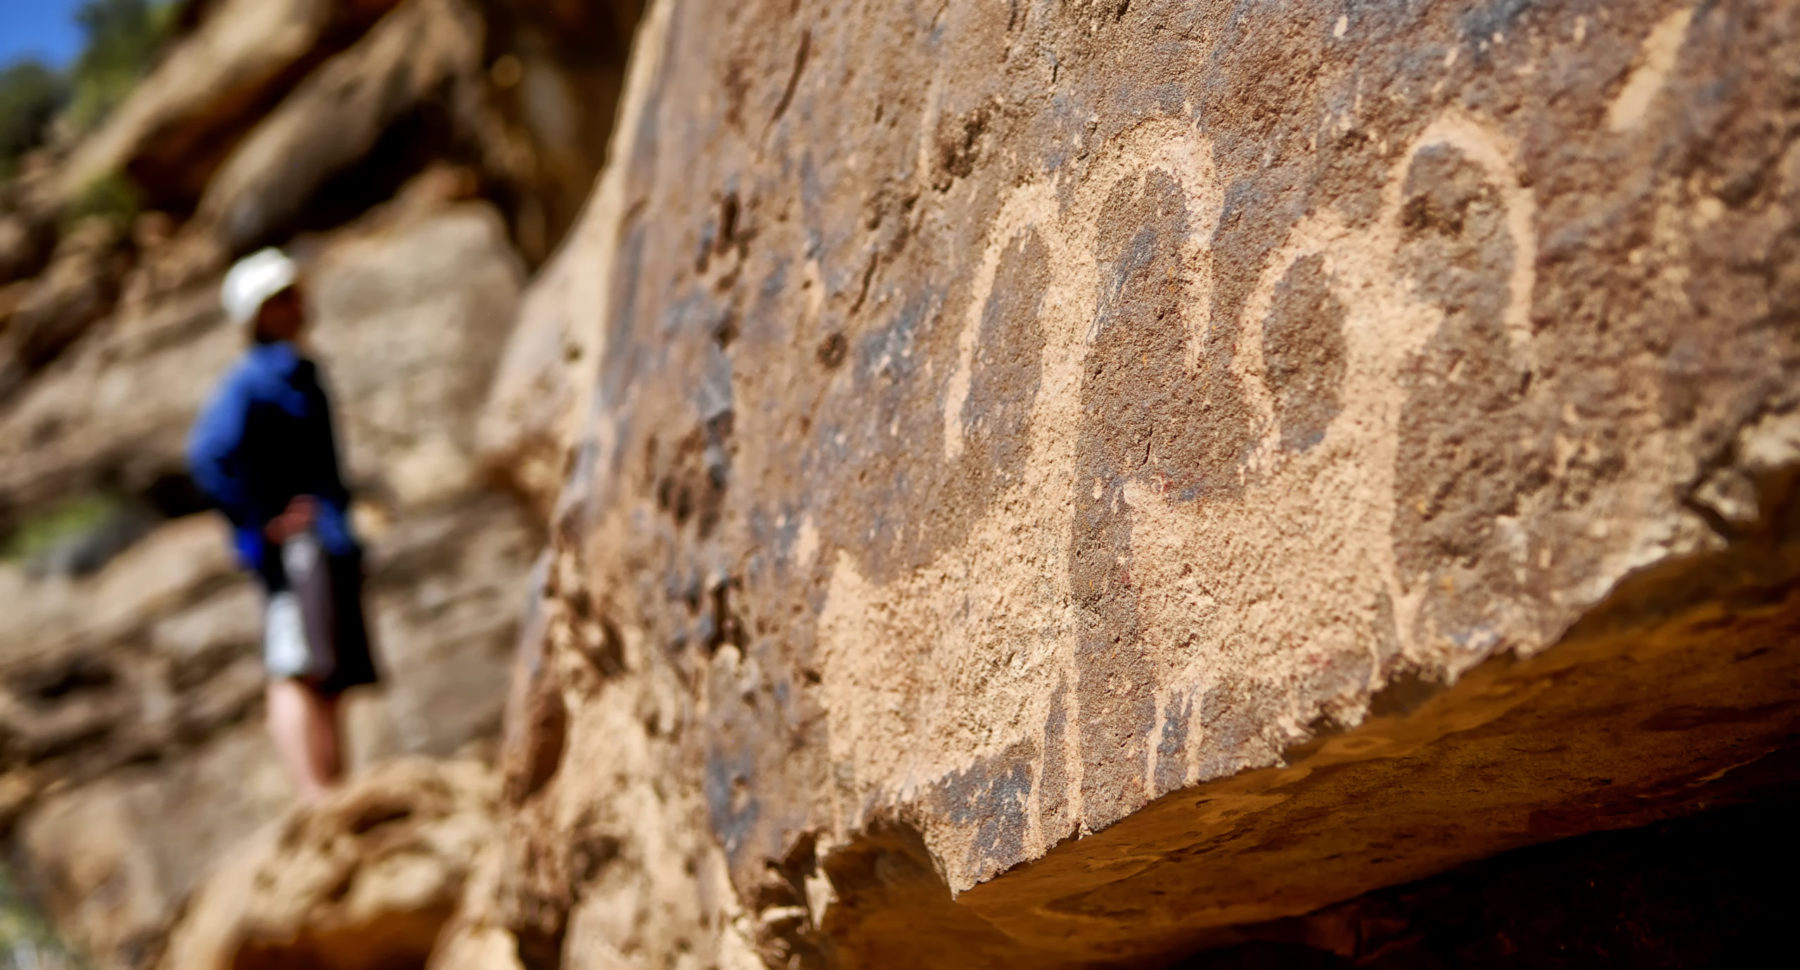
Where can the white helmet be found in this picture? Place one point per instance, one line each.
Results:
(253, 280)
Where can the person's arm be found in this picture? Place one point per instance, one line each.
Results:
(215, 453)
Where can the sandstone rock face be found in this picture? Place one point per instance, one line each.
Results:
(1062, 485)
(130, 703)
(175, 128)
(1063, 480)
(410, 319)
(446, 588)
(130, 700)
(114, 407)
(365, 136)
(54, 309)
(534, 410)
(366, 881)
(335, 118)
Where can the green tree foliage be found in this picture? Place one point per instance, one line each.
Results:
(122, 40)
(30, 96)
(114, 198)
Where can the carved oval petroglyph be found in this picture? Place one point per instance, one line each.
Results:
(1186, 502)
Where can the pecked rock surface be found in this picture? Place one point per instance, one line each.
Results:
(1064, 480)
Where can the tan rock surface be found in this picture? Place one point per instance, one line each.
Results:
(365, 881)
(108, 861)
(534, 408)
(172, 132)
(410, 317)
(130, 702)
(409, 323)
(474, 939)
(115, 407)
(56, 308)
(1066, 480)
(185, 557)
(1042, 485)
(420, 57)
(446, 590)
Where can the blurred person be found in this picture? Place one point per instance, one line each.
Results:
(264, 450)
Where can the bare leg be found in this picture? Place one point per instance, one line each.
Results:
(304, 726)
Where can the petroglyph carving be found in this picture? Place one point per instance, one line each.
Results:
(1655, 60)
(1232, 484)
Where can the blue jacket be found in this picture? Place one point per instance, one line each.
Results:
(265, 437)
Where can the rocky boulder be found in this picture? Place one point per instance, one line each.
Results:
(534, 406)
(1065, 480)
(365, 881)
(173, 131)
(53, 311)
(420, 64)
(130, 702)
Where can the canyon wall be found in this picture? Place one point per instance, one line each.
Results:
(1054, 482)
(418, 157)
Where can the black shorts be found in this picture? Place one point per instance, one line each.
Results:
(317, 632)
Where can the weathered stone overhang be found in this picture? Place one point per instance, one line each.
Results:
(1065, 479)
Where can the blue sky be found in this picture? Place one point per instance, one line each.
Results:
(41, 28)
